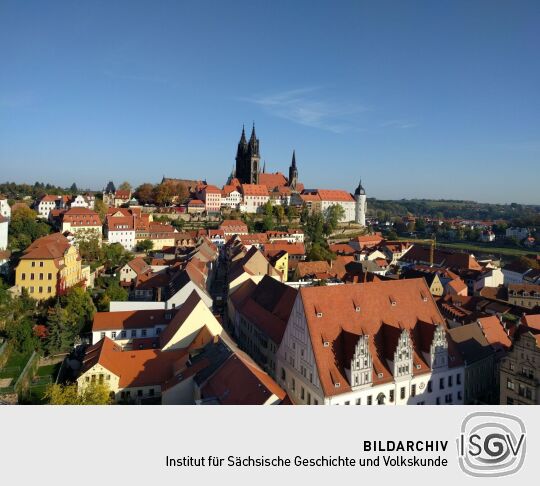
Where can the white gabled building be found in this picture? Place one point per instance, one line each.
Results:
(5, 208)
(4, 229)
(366, 344)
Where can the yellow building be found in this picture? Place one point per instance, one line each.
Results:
(48, 266)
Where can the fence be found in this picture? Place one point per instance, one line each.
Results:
(3, 352)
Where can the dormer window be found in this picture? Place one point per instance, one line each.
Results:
(337, 384)
(357, 308)
(319, 314)
(380, 375)
(418, 366)
(326, 344)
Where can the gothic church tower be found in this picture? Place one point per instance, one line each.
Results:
(248, 158)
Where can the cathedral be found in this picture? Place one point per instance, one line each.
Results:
(248, 168)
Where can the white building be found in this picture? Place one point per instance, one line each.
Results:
(5, 209)
(255, 196)
(331, 197)
(378, 343)
(4, 228)
(120, 228)
(361, 205)
(231, 197)
(47, 204)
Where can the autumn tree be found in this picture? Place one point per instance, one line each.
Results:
(24, 228)
(125, 186)
(92, 394)
(101, 208)
(144, 193)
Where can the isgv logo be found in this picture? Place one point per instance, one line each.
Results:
(491, 444)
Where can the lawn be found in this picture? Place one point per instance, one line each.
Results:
(13, 368)
(480, 248)
(45, 375)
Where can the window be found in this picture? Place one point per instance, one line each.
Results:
(134, 333)
(358, 401)
(402, 392)
(347, 402)
(41, 276)
(458, 378)
(31, 276)
(49, 290)
(143, 332)
(139, 393)
(283, 374)
(441, 384)
(23, 276)
(302, 393)
(413, 390)
(31, 290)
(391, 398)
(123, 334)
(293, 384)
(315, 402)
(41, 264)
(510, 401)
(369, 400)
(102, 335)
(113, 335)
(449, 381)
(438, 400)
(510, 384)
(33, 264)
(49, 276)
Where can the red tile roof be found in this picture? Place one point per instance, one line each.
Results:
(131, 319)
(46, 248)
(494, 332)
(254, 190)
(272, 181)
(79, 216)
(340, 314)
(239, 381)
(138, 368)
(335, 195)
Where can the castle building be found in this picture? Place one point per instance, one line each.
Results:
(361, 205)
(248, 171)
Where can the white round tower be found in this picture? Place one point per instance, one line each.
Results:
(361, 205)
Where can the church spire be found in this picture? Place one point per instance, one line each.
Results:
(243, 137)
(264, 167)
(293, 159)
(253, 137)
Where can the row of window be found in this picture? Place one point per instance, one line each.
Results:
(41, 276)
(32, 290)
(132, 334)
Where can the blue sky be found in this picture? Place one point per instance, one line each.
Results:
(419, 99)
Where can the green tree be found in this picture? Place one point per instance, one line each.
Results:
(73, 189)
(101, 208)
(115, 255)
(113, 291)
(292, 213)
(332, 216)
(268, 209)
(92, 394)
(319, 252)
(79, 307)
(24, 228)
(268, 223)
(60, 334)
(145, 245)
(279, 212)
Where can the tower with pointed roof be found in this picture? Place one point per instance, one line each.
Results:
(293, 173)
(248, 158)
(361, 205)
